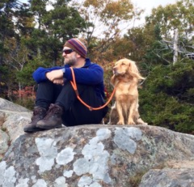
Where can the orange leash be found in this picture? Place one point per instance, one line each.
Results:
(74, 85)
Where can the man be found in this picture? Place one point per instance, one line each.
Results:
(56, 101)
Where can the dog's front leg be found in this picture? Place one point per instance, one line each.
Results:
(120, 114)
(132, 112)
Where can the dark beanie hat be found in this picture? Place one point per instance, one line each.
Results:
(78, 46)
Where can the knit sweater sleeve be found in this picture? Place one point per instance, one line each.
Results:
(39, 75)
(91, 75)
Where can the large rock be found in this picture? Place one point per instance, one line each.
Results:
(4, 142)
(168, 177)
(92, 155)
(96, 156)
(13, 118)
(9, 106)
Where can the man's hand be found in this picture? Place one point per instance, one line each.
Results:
(59, 81)
(55, 74)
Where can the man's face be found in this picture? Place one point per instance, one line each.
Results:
(70, 57)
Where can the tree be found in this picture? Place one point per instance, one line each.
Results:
(30, 32)
(169, 81)
(6, 26)
(167, 97)
(176, 21)
(62, 23)
(25, 76)
(12, 15)
(53, 28)
(104, 19)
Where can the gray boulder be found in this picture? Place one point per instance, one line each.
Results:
(4, 141)
(13, 118)
(6, 105)
(94, 156)
(168, 177)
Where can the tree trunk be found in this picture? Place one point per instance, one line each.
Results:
(20, 90)
(175, 46)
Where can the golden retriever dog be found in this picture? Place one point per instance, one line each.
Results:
(125, 79)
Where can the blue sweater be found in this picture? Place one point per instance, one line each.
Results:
(90, 74)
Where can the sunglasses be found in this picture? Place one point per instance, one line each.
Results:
(67, 51)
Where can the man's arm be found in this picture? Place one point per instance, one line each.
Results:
(90, 76)
(54, 74)
(39, 74)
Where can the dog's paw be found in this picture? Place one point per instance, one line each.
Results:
(131, 122)
(141, 122)
(120, 122)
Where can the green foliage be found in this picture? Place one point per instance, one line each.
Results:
(7, 80)
(52, 29)
(3, 80)
(25, 76)
(168, 96)
(23, 51)
(3, 73)
(174, 16)
(7, 25)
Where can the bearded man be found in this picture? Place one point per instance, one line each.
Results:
(56, 102)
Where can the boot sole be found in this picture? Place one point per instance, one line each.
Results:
(32, 130)
(48, 128)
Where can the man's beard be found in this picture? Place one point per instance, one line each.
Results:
(70, 62)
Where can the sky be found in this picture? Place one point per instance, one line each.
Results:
(146, 5)
(149, 5)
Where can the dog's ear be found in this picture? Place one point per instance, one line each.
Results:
(113, 80)
(133, 70)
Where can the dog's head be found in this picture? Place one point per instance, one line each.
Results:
(126, 67)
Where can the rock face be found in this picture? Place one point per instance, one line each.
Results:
(93, 155)
(168, 177)
(12, 120)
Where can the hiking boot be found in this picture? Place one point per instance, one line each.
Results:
(38, 114)
(52, 118)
